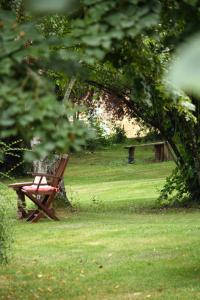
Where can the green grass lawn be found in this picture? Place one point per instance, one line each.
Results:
(117, 244)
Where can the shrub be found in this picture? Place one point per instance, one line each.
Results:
(6, 226)
(119, 135)
(174, 192)
(99, 139)
(152, 135)
(102, 139)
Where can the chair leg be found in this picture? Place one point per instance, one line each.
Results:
(45, 207)
(32, 214)
(40, 215)
(47, 212)
(37, 217)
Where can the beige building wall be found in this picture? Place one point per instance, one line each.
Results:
(131, 127)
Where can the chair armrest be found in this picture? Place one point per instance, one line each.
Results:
(18, 185)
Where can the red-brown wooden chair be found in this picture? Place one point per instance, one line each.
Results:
(42, 195)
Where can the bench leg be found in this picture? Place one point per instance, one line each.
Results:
(131, 154)
(159, 153)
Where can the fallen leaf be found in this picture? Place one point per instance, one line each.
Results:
(137, 294)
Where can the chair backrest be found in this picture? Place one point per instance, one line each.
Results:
(61, 166)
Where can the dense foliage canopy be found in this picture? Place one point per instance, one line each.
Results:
(27, 100)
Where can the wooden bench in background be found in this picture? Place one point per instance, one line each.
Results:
(162, 151)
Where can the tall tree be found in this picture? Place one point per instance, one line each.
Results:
(126, 48)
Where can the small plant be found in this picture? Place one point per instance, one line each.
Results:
(174, 192)
(74, 199)
(97, 204)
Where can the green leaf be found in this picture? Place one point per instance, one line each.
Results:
(52, 6)
(184, 72)
(92, 40)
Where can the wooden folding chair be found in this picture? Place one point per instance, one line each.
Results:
(41, 194)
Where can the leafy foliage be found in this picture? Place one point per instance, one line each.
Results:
(175, 192)
(107, 23)
(11, 157)
(184, 72)
(26, 97)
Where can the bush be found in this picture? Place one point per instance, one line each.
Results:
(175, 192)
(100, 138)
(152, 136)
(6, 226)
(119, 136)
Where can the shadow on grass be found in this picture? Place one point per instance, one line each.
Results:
(135, 206)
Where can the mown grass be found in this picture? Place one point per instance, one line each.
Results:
(117, 244)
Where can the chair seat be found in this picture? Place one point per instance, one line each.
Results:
(45, 189)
